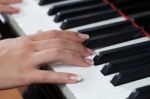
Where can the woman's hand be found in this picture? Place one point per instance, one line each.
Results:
(21, 57)
(5, 8)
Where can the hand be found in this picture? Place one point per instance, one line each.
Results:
(5, 8)
(21, 57)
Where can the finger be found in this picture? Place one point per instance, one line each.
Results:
(63, 44)
(8, 9)
(10, 1)
(60, 56)
(42, 76)
(74, 36)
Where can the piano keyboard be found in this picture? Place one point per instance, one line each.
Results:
(118, 31)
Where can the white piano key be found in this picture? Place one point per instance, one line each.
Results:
(41, 20)
(95, 85)
(123, 44)
(119, 19)
(121, 95)
(2, 18)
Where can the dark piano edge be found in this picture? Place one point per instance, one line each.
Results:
(43, 91)
(8, 30)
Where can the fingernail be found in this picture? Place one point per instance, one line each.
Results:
(75, 78)
(84, 36)
(14, 10)
(91, 52)
(89, 61)
(17, 10)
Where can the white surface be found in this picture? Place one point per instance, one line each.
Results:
(94, 86)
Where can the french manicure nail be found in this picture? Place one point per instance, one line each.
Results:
(75, 78)
(14, 10)
(89, 61)
(83, 36)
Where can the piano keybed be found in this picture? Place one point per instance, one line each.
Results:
(118, 31)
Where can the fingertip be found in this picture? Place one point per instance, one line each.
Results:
(15, 10)
(74, 79)
(12, 10)
(83, 36)
(89, 62)
(83, 62)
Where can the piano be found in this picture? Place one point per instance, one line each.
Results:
(6, 31)
(119, 34)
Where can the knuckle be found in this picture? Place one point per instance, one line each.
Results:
(61, 42)
(83, 48)
(25, 79)
(55, 33)
(23, 43)
(27, 43)
(57, 52)
(30, 61)
(28, 80)
(45, 76)
(28, 46)
(71, 54)
(39, 33)
(74, 54)
(73, 33)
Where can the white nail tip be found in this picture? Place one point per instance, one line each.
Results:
(89, 61)
(76, 78)
(84, 36)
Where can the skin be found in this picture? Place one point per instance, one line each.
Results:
(21, 57)
(6, 8)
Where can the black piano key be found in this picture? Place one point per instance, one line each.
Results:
(140, 93)
(124, 3)
(55, 9)
(147, 29)
(44, 2)
(116, 1)
(126, 63)
(113, 54)
(131, 75)
(113, 38)
(109, 28)
(1, 25)
(81, 11)
(87, 19)
(136, 8)
(143, 20)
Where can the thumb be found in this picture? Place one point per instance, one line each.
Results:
(8, 9)
(43, 76)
